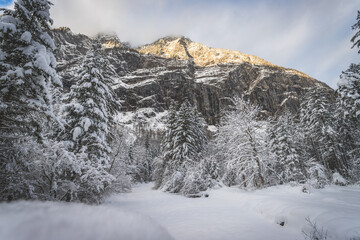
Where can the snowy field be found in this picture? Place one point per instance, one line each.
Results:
(228, 213)
(231, 213)
(26, 220)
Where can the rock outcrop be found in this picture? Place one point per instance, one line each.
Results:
(151, 76)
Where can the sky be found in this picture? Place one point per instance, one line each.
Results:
(307, 35)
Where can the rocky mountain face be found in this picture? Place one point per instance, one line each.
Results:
(175, 68)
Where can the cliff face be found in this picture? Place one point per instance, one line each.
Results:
(149, 77)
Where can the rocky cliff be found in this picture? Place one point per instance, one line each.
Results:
(149, 77)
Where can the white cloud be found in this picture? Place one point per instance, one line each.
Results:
(306, 35)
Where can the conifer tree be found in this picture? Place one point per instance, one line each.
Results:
(348, 111)
(284, 145)
(356, 38)
(189, 137)
(317, 120)
(88, 113)
(183, 142)
(27, 75)
(166, 147)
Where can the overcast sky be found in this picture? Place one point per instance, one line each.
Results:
(312, 36)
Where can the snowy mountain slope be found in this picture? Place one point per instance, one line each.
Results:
(231, 213)
(151, 79)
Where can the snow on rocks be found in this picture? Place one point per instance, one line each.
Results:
(148, 118)
(58, 221)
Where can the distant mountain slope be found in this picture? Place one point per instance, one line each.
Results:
(150, 77)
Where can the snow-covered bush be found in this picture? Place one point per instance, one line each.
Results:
(174, 182)
(338, 179)
(317, 174)
(200, 178)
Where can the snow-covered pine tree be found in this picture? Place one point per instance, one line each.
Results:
(186, 141)
(283, 133)
(318, 123)
(348, 111)
(27, 73)
(90, 106)
(241, 144)
(356, 38)
(165, 148)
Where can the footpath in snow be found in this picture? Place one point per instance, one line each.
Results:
(231, 213)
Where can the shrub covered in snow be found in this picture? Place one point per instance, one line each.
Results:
(338, 179)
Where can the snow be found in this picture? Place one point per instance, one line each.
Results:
(7, 27)
(338, 179)
(26, 37)
(76, 133)
(87, 124)
(231, 213)
(148, 118)
(228, 213)
(212, 128)
(58, 221)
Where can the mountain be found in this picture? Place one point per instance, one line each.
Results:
(175, 68)
(202, 55)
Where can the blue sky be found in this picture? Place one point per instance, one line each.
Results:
(311, 36)
(5, 2)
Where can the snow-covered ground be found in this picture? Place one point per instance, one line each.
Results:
(228, 213)
(231, 213)
(27, 220)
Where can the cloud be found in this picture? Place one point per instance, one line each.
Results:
(306, 35)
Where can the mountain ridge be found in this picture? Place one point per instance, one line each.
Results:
(183, 48)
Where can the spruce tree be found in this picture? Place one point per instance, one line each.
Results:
(189, 137)
(183, 142)
(356, 38)
(317, 120)
(88, 113)
(27, 75)
(166, 147)
(283, 143)
(348, 111)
